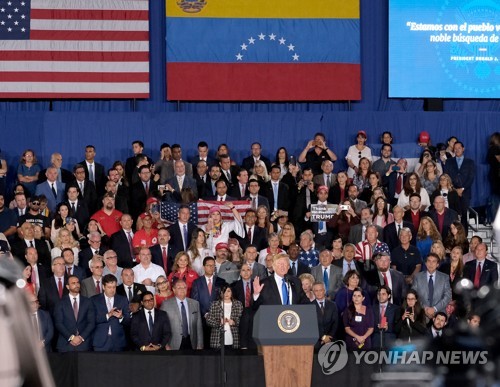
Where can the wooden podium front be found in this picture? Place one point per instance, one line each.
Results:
(287, 334)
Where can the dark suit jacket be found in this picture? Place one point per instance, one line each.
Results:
(283, 203)
(103, 324)
(449, 217)
(89, 195)
(139, 329)
(138, 197)
(463, 177)
(202, 186)
(18, 248)
(120, 245)
(48, 295)
(248, 163)
(327, 321)
(235, 192)
(391, 234)
(137, 288)
(130, 166)
(399, 288)
(199, 292)
(489, 273)
(66, 325)
(81, 213)
(46, 328)
(239, 292)
(259, 238)
(188, 182)
(45, 189)
(300, 209)
(210, 161)
(79, 272)
(301, 268)
(157, 256)
(233, 169)
(261, 201)
(270, 294)
(390, 183)
(85, 255)
(176, 237)
(99, 176)
(392, 314)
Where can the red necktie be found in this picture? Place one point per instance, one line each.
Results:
(249, 234)
(386, 282)
(68, 271)
(60, 288)
(210, 286)
(243, 191)
(164, 256)
(33, 278)
(382, 311)
(247, 296)
(97, 287)
(477, 277)
(147, 188)
(399, 183)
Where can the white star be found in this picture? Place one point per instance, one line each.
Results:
(251, 40)
(295, 57)
(9, 16)
(9, 29)
(282, 41)
(16, 23)
(2, 9)
(239, 57)
(16, 9)
(23, 17)
(2, 23)
(262, 36)
(23, 29)
(9, 3)
(272, 37)
(243, 46)
(22, 3)
(291, 47)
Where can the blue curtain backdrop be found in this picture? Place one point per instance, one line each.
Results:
(67, 126)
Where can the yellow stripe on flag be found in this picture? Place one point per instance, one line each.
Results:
(285, 9)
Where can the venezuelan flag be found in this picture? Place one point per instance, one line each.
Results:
(263, 50)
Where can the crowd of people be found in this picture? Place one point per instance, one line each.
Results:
(104, 270)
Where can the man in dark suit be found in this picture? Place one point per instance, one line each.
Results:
(392, 230)
(111, 317)
(385, 314)
(202, 178)
(305, 196)
(228, 172)
(240, 190)
(277, 192)
(150, 327)
(129, 288)
(254, 235)
(382, 274)
(327, 315)
(180, 180)
(462, 171)
(347, 263)
(323, 234)
(71, 269)
(358, 231)
(130, 164)
(141, 191)
(121, 244)
(95, 248)
(38, 271)
(162, 253)
(394, 180)
(166, 168)
(78, 209)
(93, 170)
(243, 292)
(52, 289)
(255, 199)
(297, 267)
(181, 231)
(221, 192)
(63, 175)
(88, 192)
(442, 217)
(481, 271)
(19, 246)
(211, 184)
(249, 162)
(280, 288)
(42, 323)
(205, 290)
(74, 319)
(202, 156)
(53, 190)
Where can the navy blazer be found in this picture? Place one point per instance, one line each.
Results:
(48, 295)
(301, 268)
(46, 328)
(85, 255)
(463, 177)
(119, 342)
(199, 292)
(270, 294)
(248, 163)
(449, 217)
(328, 320)
(120, 245)
(139, 329)
(259, 238)
(45, 189)
(176, 237)
(489, 272)
(157, 256)
(188, 182)
(399, 288)
(283, 203)
(66, 325)
(89, 195)
(99, 176)
(392, 314)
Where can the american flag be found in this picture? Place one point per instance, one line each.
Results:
(201, 209)
(74, 49)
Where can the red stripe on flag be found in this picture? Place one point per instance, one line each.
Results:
(226, 212)
(89, 35)
(33, 76)
(85, 14)
(77, 56)
(263, 81)
(36, 95)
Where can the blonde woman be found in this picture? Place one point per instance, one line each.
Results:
(427, 234)
(198, 251)
(218, 230)
(65, 240)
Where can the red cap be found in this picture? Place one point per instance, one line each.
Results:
(151, 200)
(322, 188)
(424, 137)
(363, 133)
(144, 214)
(214, 209)
(220, 246)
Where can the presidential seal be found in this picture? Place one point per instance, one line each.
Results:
(191, 6)
(288, 321)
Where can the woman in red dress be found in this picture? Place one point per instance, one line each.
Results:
(182, 270)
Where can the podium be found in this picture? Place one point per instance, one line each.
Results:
(287, 334)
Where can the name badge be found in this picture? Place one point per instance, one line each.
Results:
(358, 318)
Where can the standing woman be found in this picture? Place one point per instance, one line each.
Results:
(358, 322)
(338, 193)
(181, 269)
(381, 216)
(427, 234)
(28, 170)
(374, 182)
(198, 251)
(218, 230)
(454, 267)
(224, 317)
(412, 322)
(260, 174)
(282, 160)
(343, 220)
(356, 152)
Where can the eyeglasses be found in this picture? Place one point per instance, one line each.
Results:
(147, 300)
(35, 203)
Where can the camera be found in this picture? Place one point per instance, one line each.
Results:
(344, 207)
